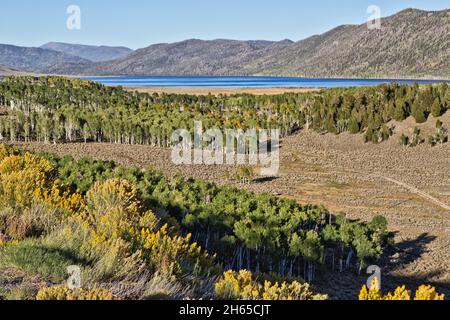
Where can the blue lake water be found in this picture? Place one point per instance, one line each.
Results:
(244, 82)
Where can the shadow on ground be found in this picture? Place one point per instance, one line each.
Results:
(346, 285)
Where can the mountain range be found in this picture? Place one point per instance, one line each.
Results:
(410, 44)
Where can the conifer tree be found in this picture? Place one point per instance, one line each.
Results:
(399, 111)
(436, 109)
(418, 112)
(353, 126)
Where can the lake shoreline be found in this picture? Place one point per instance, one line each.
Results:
(219, 90)
(233, 85)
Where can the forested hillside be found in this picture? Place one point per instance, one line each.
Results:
(52, 109)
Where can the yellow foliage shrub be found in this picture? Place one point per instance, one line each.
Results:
(113, 194)
(401, 293)
(26, 188)
(28, 181)
(241, 286)
(27, 161)
(428, 293)
(74, 203)
(371, 294)
(114, 212)
(22, 178)
(165, 251)
(64, 293)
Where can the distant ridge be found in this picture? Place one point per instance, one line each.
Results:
(40, 60)
(92, 53)
(411, 44)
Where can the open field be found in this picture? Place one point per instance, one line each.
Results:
(409, 186)
(219, 90)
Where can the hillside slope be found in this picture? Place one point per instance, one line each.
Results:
(40, 60)
(189, 57)
(411, 43)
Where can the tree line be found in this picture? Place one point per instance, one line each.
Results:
(54, 109)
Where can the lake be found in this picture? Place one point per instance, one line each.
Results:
(244, 82)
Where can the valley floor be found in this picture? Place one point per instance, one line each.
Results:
(409, 186)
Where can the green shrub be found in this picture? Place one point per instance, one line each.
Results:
(34, 258)
(22, 292)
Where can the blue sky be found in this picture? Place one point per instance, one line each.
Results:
(139, 23)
